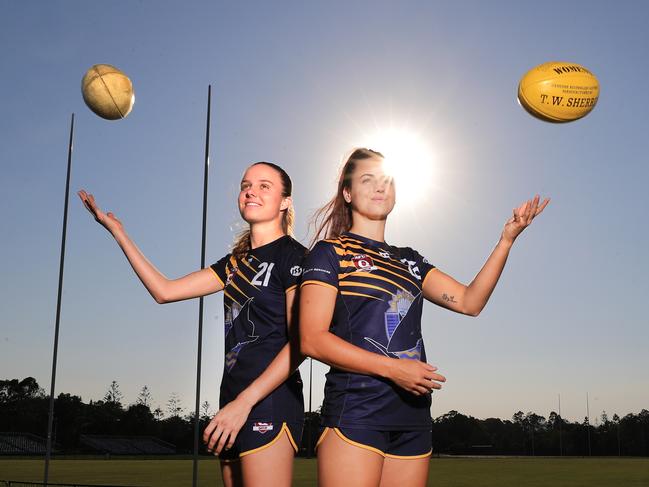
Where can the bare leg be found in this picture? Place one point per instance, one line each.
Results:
(341, 463)
(403, 471)
(271, 466)
(231, 472)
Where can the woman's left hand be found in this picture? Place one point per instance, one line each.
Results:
(225, 425)
(522, 217)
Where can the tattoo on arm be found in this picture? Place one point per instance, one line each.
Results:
(448, 299)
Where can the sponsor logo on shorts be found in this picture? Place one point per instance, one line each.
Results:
(384, 254)
(262, 427)
(296, 270)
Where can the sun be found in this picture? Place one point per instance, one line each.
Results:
(408, 159)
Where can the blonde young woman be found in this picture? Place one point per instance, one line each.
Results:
(259, 425)
(360, 312)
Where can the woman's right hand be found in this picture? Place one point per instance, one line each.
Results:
(415, 376)
(107, 220)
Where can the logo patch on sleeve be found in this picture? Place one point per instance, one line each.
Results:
(230, 272)
(363, 262)
(262, 427)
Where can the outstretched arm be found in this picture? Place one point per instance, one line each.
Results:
(316, 311)
(163, 290)
(224, 427)
(445, 291)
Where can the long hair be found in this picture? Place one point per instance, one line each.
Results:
(241, 244)
(335, 217)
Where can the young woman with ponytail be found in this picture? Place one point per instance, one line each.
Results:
(259, 425)
(360, 312)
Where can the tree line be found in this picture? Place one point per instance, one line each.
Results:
(24, 408)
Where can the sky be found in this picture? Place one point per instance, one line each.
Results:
(300, 84)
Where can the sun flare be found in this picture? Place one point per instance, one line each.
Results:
(408, 158)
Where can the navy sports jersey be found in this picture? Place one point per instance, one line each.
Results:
(378, 308)
(254, 299)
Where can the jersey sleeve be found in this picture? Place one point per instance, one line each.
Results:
(321, 266)
(423, 265)
(220, 269)
(292, 260)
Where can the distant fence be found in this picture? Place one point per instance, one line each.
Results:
(128, 445)
(21, 483)
(15, 443)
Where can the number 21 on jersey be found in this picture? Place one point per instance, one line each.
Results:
(264, 273)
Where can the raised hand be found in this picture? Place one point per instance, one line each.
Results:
(108, 220)
(522, 217)
(415, 376)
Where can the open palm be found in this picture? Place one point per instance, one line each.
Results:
(522, 217)
(107, 220)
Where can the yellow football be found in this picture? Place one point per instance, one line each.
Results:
(107, 91)
(558, 92)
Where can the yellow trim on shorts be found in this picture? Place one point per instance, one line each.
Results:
(371, 448)
(322, 437)
(217, 276)
(413, 457)
(319, 283)
(273, 441)
(294, 286)
(290, 437)
(360, 445)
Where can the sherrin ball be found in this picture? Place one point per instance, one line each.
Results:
(558, 92)
(107, 91)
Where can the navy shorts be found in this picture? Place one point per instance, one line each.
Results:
(389, 444)
(255, 436)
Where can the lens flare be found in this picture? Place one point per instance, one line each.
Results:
(408, 159)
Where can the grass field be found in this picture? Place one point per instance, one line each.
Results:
(444, 472)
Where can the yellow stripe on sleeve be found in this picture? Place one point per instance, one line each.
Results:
(427, 275)
(217, 276)
(293, 287)
(319, 283)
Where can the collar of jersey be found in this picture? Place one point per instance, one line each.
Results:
(375, 243)
(269, 244)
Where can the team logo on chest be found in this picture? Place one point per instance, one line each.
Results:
(399, 306)
(396, 336)
(363, 262)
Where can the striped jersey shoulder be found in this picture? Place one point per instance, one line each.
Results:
(344, 245)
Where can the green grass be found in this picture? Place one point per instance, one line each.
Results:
(444, 472)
